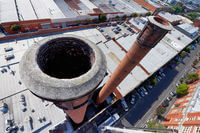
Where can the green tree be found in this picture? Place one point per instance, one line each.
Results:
(88, 20)
(117, 17)
(187, 49)
(182, 89)
(160, 110)
(102, 18)
(153, 81)
(148, 14)
(79, 22)
(96, 20)
(15, 27)
(192, 77)
(134, 15)
(124, 17)
(192, 16)
(155, 124)
(182, 54)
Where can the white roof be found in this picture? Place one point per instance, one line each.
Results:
(138, 22)
(89, 4)
(188, 28)
(8, 14)
(25, 10)
(170, 17)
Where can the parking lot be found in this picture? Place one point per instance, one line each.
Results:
(115, 31)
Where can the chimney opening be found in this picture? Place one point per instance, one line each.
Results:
(65, 58)
(161, 21)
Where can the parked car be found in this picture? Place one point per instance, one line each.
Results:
(169, 98)
(144, 90)
(172, 93)
(165, 103)
(133, 99)
(107, 36)
(9, 57)
(138, 95)
(109, 122)
(141, 93)
(118, 28)
(124, 104)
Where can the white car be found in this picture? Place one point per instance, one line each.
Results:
(110, 121)
(124, 104)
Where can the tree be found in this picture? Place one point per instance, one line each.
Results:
(153, 81)
(182, 89)
(182, 54)
(192, 77)
(134, 15)
(88, 20)
(15, 27)
(192, 16)
(96, 20)
(124, 17)
(187, 49)
(102, 18)
(117, 17)
(79, 22)
(148, 14)
(155, 124)
(160, 110)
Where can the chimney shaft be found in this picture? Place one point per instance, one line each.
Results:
(155, 29)
(64, 69)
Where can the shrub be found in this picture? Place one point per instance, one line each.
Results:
(15, 27)
(182, 89)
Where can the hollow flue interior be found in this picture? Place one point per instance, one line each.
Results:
(65, 58)
(161, 21)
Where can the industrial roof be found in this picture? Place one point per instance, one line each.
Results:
(8, 11)
(127, 6)
(41, 9)
(168, 16)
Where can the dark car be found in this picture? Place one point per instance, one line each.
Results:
(165, 103)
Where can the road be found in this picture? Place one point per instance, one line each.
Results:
(145, 108)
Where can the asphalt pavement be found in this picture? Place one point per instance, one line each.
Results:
(145, 108)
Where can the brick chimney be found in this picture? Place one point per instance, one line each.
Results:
(64, 69)
(155, 29)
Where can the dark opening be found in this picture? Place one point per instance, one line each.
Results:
(162, 21)
(65, 58)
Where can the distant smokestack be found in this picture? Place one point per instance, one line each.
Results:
(155, 29)
(64, 69)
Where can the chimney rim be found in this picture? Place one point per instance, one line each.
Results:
(160, 22)
(55, 89)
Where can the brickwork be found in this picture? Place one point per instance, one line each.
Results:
(179, 118)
